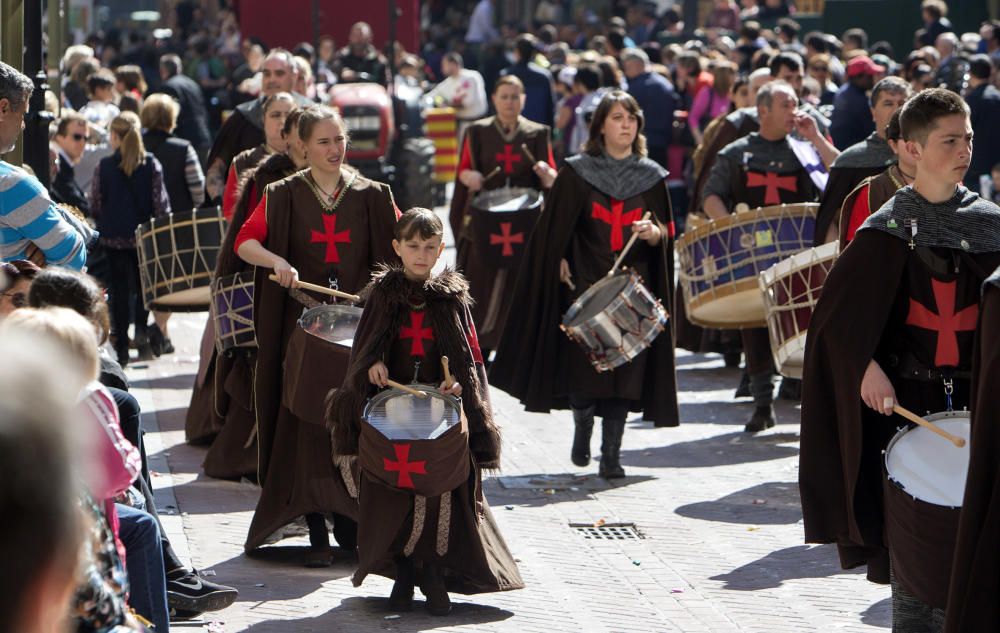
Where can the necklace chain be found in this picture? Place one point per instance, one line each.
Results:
(327, 200)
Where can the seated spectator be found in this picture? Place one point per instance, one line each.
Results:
(101, 109)
(70, 142)
(15, 279)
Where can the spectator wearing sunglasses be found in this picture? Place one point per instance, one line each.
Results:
(70, 142)
(15, 279)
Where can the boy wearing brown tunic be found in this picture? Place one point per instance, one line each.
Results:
(895, 324)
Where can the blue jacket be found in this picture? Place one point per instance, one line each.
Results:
(540, 103)
(658, 100)
(126, 202)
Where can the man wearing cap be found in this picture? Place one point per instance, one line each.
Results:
(852, 118)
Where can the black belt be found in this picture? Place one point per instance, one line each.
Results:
(908, 367)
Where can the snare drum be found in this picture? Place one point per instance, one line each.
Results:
(924, 486)
(232, 312)
(791, 289)
(177, 255)
(420, 445)
(501, 221)
(316, 358)
(720, 260)
(615, 320)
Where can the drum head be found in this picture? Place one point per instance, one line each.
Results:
(928, 466)
(507, 199)
(596, 298)
(398, 415)
(331, 322)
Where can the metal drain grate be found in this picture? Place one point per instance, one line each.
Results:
(607, 532)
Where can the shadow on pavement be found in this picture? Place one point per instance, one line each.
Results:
(772, 503)
(277, 572)
(545, 489)
(214, 496)
(179, 381)
(720, 450)
(879, 614)
(801, 561)
(345, 617)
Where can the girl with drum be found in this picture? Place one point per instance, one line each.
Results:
(501, 151)
(422, 512)
(327, 225)
(221, 409)
(127, 190)
(597, 203)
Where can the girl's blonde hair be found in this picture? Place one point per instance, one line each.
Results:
(66, 328)
(128, 128)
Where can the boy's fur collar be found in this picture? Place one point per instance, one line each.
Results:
(392, 281)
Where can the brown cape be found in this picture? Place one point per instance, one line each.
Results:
(476, 559)
(535, 359)
(294, 463)
(975, 579)
(840, 465)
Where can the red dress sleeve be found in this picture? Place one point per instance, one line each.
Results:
(859, 213)
(229, 194)
(465, 162)
(255, 228)
(552, 158)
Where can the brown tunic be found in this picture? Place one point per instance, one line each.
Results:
(344, 243)
(406, 322)
(489, 147)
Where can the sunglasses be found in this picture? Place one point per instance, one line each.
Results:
(820, 69)
(78, 137)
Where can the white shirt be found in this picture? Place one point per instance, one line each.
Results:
(466, 93)
(481, 27)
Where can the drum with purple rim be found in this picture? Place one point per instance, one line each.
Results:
(232, 312)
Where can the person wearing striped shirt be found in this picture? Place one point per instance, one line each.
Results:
(28, 217)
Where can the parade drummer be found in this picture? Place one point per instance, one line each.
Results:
(864, 159)
(412, 319)
(874, 191)
(274, 109)
(222, 402)
(595, 206)
(326, 225)
(895, 325)
(498, 151)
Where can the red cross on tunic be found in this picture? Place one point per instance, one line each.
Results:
(404, 466)
(331, 237)
(508, 158)
(773, 182)
(617, 218)
(417, 332)
(946, 322)
(504, 237)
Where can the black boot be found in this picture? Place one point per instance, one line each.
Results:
(790, 389)
(345, 531)
(401, 598)
(583, 419)
(319, 554)
(732, 358)
(160, 343)
(763, 418)
(438, 602)
(743, 390)
(611, 444)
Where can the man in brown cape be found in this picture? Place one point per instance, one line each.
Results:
(975, 578)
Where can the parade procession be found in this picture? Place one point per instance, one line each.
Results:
(500, 315)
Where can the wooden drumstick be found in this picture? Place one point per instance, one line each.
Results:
(448, 378)
(496, 170)
(322, 289)
(916, 419)
(625, 250)
(527, 152)
(410, 390)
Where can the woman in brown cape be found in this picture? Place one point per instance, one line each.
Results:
(204, 417)
(444, 543)
(324, 225)
(595, 206)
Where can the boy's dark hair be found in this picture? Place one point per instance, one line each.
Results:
(101, 79)
(418, 221)
(588, 76)
(980, 66)
(71, 289)
(893, 131)
(919, 115)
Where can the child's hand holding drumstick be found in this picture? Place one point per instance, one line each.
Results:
(448, 385)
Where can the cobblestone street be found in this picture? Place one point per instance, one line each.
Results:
(710, 537)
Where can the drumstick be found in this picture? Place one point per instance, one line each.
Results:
(322, 289)
(916, 419)
(448, 378)
(496, 170)
(409, 390)
(527, 152)
(625, 250)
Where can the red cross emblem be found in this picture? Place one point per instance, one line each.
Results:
(773, 182)
(946, 322)
(331, 237)
(504, 237)
(417, 332)
(404, 466)
(508, 158)
(617, 218)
